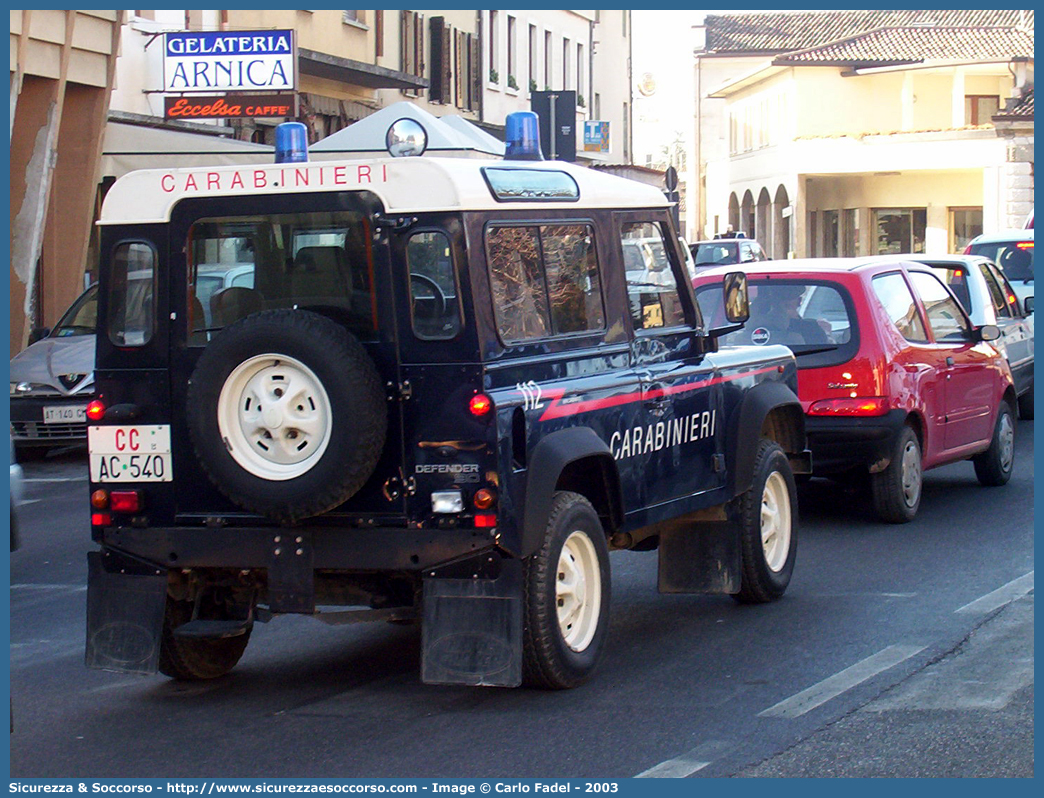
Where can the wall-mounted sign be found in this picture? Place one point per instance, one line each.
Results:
(233, 106)
(229, 61)
(596, 137)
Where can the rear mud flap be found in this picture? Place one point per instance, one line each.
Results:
(125, 603)
(700, 558)
(472, 630)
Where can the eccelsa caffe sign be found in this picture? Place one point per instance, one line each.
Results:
(229, 61)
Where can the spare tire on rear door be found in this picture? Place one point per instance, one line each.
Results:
(286, 413)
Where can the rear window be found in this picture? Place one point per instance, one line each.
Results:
(241, 265)
(1014, 257)
(715, 254)
(815, 319)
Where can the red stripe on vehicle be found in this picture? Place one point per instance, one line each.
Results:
(558, 409)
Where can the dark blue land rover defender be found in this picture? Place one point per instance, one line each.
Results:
(413, 388)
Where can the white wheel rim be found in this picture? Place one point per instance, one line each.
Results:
(274, 417)
(1007, 441)
(578, 591)
(911, 473)
(776, 520)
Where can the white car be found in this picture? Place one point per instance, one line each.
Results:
(989, 298)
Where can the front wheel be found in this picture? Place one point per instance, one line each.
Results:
(896, 491)
(994, 466)
(768, 527)
(566, 597)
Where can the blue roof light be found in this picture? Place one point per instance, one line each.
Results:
(522, 137)
(291, 143)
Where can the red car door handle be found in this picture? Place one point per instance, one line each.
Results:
(949, 361)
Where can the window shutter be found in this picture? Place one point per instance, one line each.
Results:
(439, 61)
(475, 69)
(447, 71)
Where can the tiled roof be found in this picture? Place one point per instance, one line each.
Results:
(1023, 109)
(783, 31)
(912, 44)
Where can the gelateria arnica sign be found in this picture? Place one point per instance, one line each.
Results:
(211, 61)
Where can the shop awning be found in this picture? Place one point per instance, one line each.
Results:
(127, 147)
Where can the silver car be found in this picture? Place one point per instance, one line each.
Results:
(989, 297)
(52, 380)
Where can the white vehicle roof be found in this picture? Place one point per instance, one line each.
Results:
(404, 185)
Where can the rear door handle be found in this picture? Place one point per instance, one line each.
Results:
(949, 361)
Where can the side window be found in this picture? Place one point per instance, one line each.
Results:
(519, 296)
(1005, 309)
(545, 280)
(894, 294)
(434, 303)
(944, 314)
(573, 285)
(131, 289)
(652, 290)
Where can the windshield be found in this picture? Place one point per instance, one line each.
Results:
(81, 318)
(1014, 257)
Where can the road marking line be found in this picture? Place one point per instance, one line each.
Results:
(55, 479)
(1016, 588)
(835, 685)
(688, 763)
(37, 586)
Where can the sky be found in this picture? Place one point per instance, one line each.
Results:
(661, 47)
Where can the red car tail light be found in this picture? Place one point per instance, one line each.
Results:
(125, 501)
(850, 406)
(101, 519)
(96, 410)
(485, 519)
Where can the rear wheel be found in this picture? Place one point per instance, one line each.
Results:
(994, 466)
(896, 491)
(768, 535)
(195, 659)
(566, 597)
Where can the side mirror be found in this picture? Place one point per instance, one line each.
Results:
(1027, 305)
(38, 334)
(737, 302)
(989, 332)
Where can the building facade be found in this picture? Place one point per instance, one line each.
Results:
(874, 135)
(70, 139)
(62, 67)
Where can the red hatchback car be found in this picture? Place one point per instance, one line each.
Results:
(892, 375)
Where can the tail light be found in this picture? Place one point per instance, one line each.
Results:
(100, 499)
(850, 406)
(484, 498)
(101, 519)
(96, 410)
(967, 249)
(480, 405)
(485, 520)
(125, 501)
